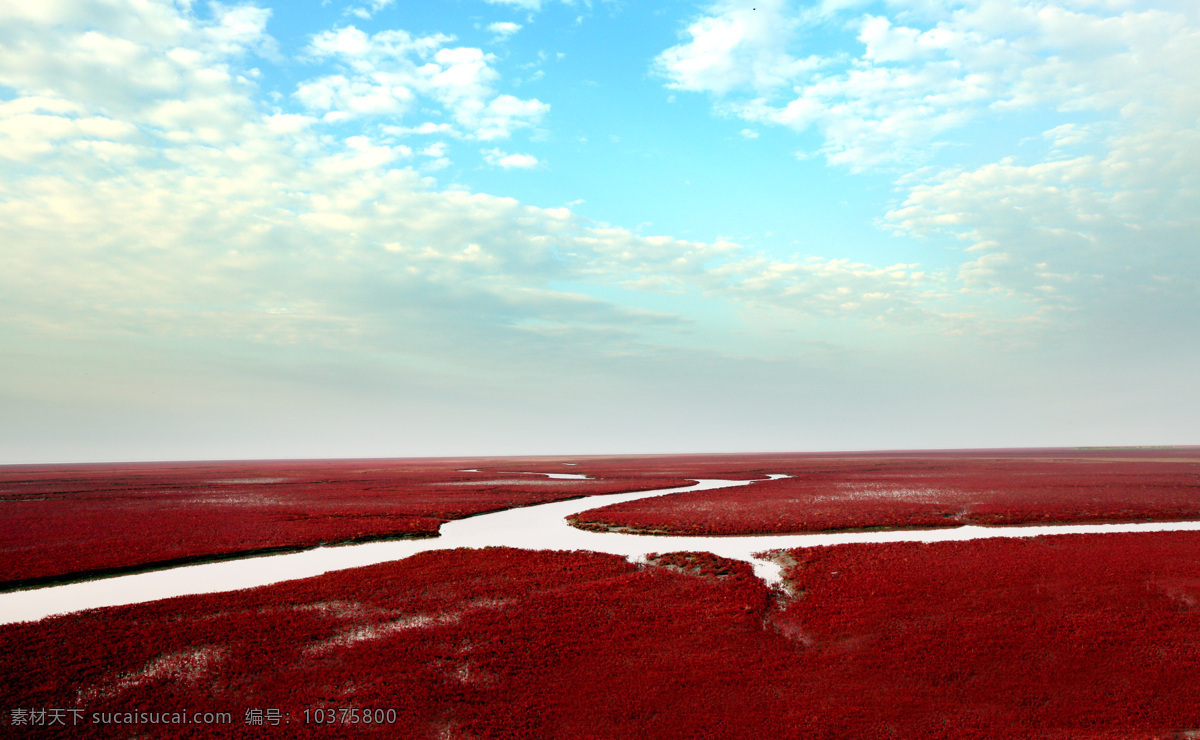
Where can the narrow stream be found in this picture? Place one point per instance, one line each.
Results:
(541, 527)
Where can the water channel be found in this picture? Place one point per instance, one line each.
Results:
(540, 527)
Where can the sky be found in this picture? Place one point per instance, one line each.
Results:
(382, 228)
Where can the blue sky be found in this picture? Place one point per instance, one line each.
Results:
(330, 229)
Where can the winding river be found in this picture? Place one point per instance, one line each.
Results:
(540, 527)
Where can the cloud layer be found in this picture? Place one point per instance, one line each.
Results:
(1093, 226)
(154, 197)
(206, 213)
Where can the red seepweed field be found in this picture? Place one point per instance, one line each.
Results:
(1077, 636)
(1064, 636)
(68, 522)
(928, 490)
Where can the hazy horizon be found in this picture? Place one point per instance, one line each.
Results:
(584, 457)
(371, 229)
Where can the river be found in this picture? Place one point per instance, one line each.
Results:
(540, 527)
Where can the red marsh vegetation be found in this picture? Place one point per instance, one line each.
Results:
(1075, 636)
(461, 643)
(68, 522)
(1079, 636)
(927, 490)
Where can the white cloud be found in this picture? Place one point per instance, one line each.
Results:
(30, 127)
(503, 29)
(386, 73)
(1106, 239)
(912, 84)
(436, 149)
(367, 11)
(427, 128)
(497, 158)
(338, 93)
(736, 46)
(1068, 136)
(289, 123)
(364, 53)
(136, 61)
(900, 295)
(503, 114)
(239, 28)
(523, 4)
(887, 43)
(1089, 225)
